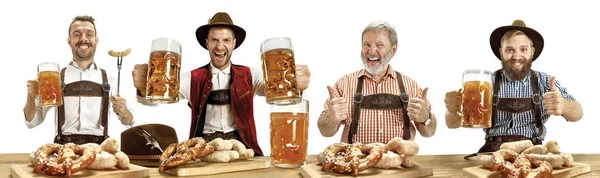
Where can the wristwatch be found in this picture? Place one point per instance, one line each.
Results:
(426, 123)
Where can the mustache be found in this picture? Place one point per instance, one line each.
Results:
(517, 60)
(83, 43)
(373, 56)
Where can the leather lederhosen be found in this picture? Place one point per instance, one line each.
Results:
(380, 101)
(218, 97)
(514, 105)
(86, 89)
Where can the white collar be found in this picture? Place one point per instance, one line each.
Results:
(215, 70)
(92, 67)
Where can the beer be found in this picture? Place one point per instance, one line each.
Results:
(289, 139)
(477, 104)
(49, 85)
(279, 71)
(50, 90)
(163, 77)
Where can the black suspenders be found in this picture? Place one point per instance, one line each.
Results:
(535, 99)
(358, 99)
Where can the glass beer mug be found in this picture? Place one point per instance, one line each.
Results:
(279, 71)
(49, 85)
(476, 104)
(163, 71)
(289, 134)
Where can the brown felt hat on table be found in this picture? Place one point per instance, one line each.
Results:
(136, 142)
(536, 38)
(220, 19)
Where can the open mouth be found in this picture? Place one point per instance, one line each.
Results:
(516, 65)
(374, 60)
(220, 55)
(83, 46)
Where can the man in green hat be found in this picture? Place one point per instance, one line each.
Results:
(523, 99)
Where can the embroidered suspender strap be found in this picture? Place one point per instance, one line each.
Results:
(61, 108)
(536, 99)
(495, 99)
(404, 98)
(104, 111)
(358, 97)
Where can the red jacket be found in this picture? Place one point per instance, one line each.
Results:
(241, 101)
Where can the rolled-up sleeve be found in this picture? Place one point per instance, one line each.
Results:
(40, 115)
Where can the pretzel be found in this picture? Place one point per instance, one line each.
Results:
(119, 54)
(523, 165)
(518, 159)
(178, 154)
(501, 157)
(346, 158)
(57, 160)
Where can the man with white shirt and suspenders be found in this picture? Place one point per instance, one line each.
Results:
(83, 117)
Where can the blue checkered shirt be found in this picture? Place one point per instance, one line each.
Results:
(522, 123)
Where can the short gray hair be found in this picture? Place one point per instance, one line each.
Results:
(382, 25)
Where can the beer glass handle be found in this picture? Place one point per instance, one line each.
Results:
(462, 94)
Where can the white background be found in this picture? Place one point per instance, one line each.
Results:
(437, 41)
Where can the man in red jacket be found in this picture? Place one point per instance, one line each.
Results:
(220, 93)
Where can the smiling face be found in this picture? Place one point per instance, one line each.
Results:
(220, 43)
(377, 51)
(82, 40)
(516, 52)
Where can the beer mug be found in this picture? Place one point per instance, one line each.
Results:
(476, 104)
(49, 85)
(289, 134)
(279, 71)
(163, 71)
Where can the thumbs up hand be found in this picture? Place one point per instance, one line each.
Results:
(338, 107)
(554, 102)
(417, 108)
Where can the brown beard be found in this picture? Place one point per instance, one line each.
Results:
(516, 75)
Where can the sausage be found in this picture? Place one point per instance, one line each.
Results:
(32, 157)
(119, 54)
(555, 160)
(104, 160)
(517, 146)
(241, 149)
(222, 156)
(403, 147)
(122, 160)
(486, 161)
(94, 146)
(537, 149)
(389, 160)
(110, 145)
(553, 146)
(568, 159)
(220, 144)
(408, 161)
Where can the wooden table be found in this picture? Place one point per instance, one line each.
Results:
(443, 166)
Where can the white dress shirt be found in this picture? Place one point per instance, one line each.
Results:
(82, 114)
(219, 118)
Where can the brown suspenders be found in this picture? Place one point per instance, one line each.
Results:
(380, 101)
(85, 88)
(506, 104)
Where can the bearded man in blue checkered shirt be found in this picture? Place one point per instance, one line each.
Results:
(522, 99)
